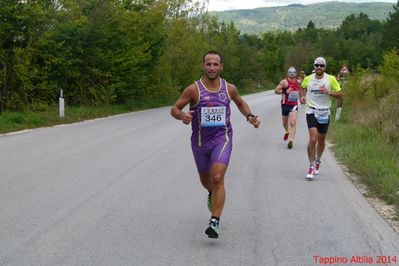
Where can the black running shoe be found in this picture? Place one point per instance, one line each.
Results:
(290, 144)
(213, 230)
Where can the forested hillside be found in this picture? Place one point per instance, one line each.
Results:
(327, 15)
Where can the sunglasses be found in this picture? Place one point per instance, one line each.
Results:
(317, 65)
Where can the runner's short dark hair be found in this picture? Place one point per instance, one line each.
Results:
(213, 52)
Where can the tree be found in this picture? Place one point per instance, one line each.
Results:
(23, 25)
(390, 33)
(272, 56)
(310, 25)
(359, 27)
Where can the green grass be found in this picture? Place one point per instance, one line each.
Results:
(15, 121)
(370, 155)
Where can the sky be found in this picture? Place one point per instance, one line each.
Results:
(220, 5)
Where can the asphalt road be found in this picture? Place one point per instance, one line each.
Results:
(124, 191)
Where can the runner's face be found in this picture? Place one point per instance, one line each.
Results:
(319, 69)
(291, 74)
(212, 66)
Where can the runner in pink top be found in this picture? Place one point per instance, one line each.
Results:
(289, 90)
(212, 135)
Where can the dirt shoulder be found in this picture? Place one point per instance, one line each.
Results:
(388, 212)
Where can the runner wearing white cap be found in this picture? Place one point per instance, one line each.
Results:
(316, 91)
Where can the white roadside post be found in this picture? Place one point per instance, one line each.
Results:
(62, 104)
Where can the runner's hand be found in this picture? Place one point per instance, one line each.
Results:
(324, 90)
(303, 99)
(254, 121)
(187, 117)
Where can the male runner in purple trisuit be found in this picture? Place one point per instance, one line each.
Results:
(211, 139)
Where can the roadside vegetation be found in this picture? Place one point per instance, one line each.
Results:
(115, 56)
(367, 137)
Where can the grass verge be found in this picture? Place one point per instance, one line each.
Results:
(369, 155)
(15, 121)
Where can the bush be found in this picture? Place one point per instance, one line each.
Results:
(374, 97)
(389, 107)
(39, 107)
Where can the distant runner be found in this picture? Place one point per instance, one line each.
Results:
(301, 77)
(289, 90)
(316, 92)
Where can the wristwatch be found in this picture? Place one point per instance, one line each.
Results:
(250, 115)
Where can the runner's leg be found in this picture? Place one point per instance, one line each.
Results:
(217, 173)
(285, 122)
(220, 160)
(321, 143)
(292, 117)
(312, 144)
(202, 157)
(206, 180)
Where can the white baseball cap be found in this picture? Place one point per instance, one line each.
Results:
(320, 61)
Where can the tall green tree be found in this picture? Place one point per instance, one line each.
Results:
(272, 56)
(361, 40)
(110, 49)
(359, 27)
(390, 33)
(23, 24)
(225, 38)
(180, 62)
(251, 71)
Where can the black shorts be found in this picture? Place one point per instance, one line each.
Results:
(312, 122)
(286, 109)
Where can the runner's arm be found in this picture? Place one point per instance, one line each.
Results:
(340, 101)
(302, 90)
(335, 90)
(280, 88)
(302, 95)
(242, 106)
(338, 112)
(188, 96)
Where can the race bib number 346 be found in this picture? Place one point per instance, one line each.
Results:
(213, 116)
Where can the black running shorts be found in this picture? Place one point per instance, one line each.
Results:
(286, 109)
(312, 122)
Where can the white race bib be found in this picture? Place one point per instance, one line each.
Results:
(322, 115)
(293, 96)
(213, 116)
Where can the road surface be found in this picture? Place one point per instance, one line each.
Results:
(124, 190)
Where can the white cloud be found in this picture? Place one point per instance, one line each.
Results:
(219, 5)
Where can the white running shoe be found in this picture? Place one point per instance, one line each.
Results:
(317, 168)
(310, 174)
